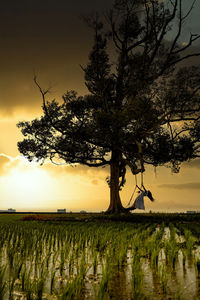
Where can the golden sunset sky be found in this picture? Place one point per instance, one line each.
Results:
(49, 38)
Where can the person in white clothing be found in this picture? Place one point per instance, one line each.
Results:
(139, 201)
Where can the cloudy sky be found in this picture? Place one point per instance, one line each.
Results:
(49, 38)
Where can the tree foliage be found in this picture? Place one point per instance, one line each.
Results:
(142, 107)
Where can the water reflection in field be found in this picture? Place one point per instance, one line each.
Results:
(98, 261)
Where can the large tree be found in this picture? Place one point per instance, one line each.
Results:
(142, 107)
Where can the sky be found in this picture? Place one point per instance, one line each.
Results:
(50, 39)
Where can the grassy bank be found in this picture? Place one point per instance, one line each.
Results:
(132, 218)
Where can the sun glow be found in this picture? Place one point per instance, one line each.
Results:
(27, 188)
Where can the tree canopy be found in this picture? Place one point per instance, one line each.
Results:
(142, 107)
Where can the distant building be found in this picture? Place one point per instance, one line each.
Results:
(61, 211)
(11, 210)
(83, 211)
(191, 211)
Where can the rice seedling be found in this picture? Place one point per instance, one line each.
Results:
(11, 288)
(62, 262)
(82, 270)
(122, 254)
(164, 277)
(3, 285)
(179, 292)
(190, 241)
(39, 288)
(95, 262)
(198, 267)
(71, 264)
(10, 257)
(137, 278)
(23, 279)
(154, 258)
(171, 250)
(87, 260)
(152, 247)
(103, 288)
(52, 281)
(68, 292)
(184, 258)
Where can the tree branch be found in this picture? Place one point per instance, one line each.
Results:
(163, 32)
(43, 93)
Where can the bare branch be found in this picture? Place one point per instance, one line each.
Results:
(43, 93)
(180, 132)
(183, 58)
(193, 38)
(163, 32)
(116, 39)
(189, 11)
(179, 30)
(94, 164)
(184, 119)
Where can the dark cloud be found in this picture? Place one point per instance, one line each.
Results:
(52, 5)
(181, 186)
(52, 45)
(47, 38)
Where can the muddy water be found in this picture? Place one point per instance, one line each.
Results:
(181, 283)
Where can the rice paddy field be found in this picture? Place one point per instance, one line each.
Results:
(91, 257)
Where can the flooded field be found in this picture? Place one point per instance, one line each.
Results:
(99, 260)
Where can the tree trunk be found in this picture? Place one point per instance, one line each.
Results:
(115, 201)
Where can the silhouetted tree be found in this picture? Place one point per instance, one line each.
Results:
(141, 108)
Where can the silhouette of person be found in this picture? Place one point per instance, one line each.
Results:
(139, 201)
